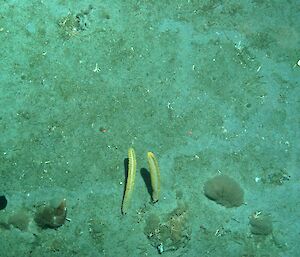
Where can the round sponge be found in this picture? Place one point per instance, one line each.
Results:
(224, 190)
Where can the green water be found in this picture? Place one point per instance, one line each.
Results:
(209, 86)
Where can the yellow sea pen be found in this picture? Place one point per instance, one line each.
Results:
(154, 175)
(130, 180)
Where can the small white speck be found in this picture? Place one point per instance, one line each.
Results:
(258, 69)
(160, 248)
(257, 179)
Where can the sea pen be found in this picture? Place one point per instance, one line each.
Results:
(130, 180)
(154, 175)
